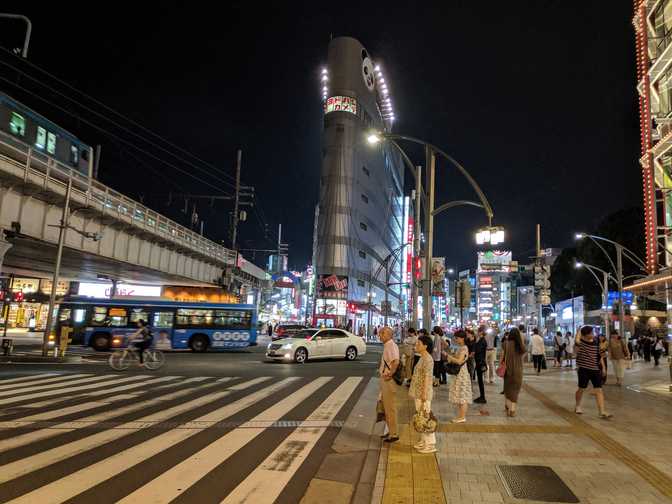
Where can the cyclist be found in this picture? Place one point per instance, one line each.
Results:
(141, 339)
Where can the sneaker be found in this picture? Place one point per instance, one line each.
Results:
(391, 439)
(458, 420)
(578, 410)
(604, 415)
(427, 449)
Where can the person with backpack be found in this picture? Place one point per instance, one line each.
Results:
(141, 339)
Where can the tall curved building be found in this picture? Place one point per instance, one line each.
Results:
(359, 219)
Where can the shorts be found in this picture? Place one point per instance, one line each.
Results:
(593, 376)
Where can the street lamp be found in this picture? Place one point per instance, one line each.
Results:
(621, 251)
(370, 296)
(491, 235)
(431, 151)
(605, 291)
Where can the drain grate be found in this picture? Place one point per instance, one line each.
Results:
(539, 483)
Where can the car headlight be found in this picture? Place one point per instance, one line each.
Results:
(287, 346)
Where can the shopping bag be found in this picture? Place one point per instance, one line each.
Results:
(380, 411)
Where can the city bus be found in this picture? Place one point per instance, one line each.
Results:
(105, 324)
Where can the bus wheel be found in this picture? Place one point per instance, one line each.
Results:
(100, 341)
(199, 343)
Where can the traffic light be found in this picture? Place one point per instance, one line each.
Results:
(18, 297)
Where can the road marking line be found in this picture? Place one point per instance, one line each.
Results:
(132, 386)
(80, 481)
(10, 400)
(59, 400)
(44, 384)
(265, 484)
(29, 378)
(175, 481)
(58, 453)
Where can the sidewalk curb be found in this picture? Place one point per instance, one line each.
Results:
(9, 359)
(355, 452)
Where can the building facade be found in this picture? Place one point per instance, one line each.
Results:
(361, 209)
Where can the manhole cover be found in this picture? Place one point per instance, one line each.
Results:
(535, 483)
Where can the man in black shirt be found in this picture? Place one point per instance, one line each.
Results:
(480, 347)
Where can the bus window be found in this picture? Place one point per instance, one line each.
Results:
(118, 317)
(163, 320)
(80, 315)
(139, 314)
(99, 315)
(64, 314)
(199, 318)
(233, 319)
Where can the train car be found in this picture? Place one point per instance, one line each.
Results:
(30, 128)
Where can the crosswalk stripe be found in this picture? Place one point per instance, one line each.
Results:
(264, 484)
(45, 384)
(175, 481)
(98, 384)
(132, 386)
(28, 378)
(79, 481)
(58, 400)
(5, 384)
(48, 457)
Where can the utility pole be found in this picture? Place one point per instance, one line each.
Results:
(621, 309)
(430, 157)
(62, 232)
(234, 229)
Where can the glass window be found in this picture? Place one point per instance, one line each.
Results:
(360, 282)
(64, 314)
(336, 334)
(139, 314)
(99, 315)
(365, 198)
(74, 155)
(17, 124)
(362, 254)
(163, 320)
(41, 138)
(80, 315)
(118, 317)
(198, 318)
(363, 226)
(51, 143)
(233, 319)
(366, 170)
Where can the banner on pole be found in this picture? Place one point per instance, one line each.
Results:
(438, 276)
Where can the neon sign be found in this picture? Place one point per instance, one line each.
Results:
(341, 104)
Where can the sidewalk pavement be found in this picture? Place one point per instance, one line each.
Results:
(627, 459)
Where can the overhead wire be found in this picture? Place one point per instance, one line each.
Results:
(119, 114)
(107, 119)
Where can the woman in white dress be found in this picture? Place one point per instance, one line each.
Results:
(460, 387)
(421, 389)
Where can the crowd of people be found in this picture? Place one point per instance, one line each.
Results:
(426, 360)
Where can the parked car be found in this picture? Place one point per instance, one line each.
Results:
(317, 344)
(286, 330)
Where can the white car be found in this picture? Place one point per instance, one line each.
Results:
(317, 344)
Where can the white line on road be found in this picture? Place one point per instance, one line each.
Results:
(75, 483)
(175, 481)
(29, 378)
(265, 484)
(42, 384)
(132, 386)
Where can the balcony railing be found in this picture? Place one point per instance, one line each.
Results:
(35, 167)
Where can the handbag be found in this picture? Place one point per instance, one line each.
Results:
(424, 422)
(453, 368)
(398, 375)
(543, 363)
(380, 411)
(501, 369)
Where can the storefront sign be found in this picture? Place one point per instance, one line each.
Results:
(25, 285)
(340, 104)
(332, 286)
(61, 287)
(100, 290)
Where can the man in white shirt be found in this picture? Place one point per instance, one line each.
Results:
(538, 350)
(569, 349)
(491, 353)
(388, 388)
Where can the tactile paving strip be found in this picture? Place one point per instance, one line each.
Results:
(538, 483)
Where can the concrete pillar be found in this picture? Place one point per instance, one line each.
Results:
(4, 247)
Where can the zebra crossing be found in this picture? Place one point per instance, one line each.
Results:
(154, 439)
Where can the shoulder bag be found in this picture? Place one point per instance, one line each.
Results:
(398, 375)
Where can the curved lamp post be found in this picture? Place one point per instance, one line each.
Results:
(491, 235)
(604, 283)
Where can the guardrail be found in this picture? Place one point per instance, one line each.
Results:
(36, 168)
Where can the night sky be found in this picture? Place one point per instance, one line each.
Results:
(535, 98)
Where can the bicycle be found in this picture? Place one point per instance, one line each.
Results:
(121, 359)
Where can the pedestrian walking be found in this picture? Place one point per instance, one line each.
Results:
(269, 330)
(437, 351)
(558, 345)
(646, 344)
(459, 393)
(471, 364)
(512, 359)
(480, 349)
(388, 388)
(505, 337)
(569, 349)
(410, 355)
(657, 350)
(589, 361)
(604, 350)
(491, 338)
(421, 389)
(618, 353)
(537, 350)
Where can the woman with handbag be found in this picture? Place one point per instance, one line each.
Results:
(460, 387)
(512, 363)
(421, 390)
